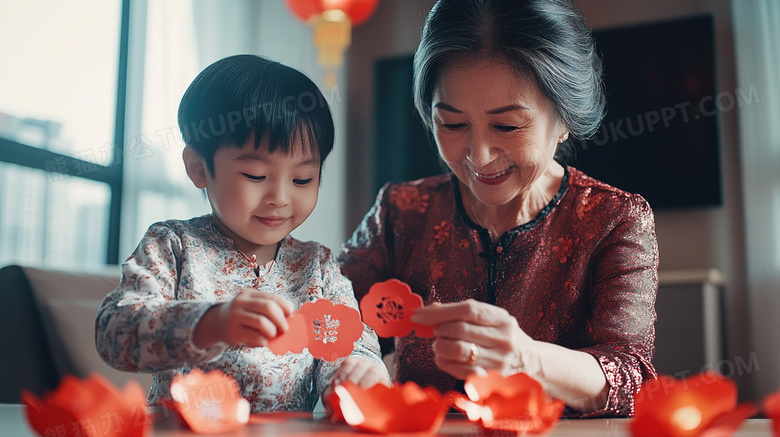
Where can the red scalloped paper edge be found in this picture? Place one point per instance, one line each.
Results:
(402, 408)
(209, 403)
(771, 407)
(704, 404)
(387, 306)
(92, 406)
(294, 340)
(515, 404)
(329, 331)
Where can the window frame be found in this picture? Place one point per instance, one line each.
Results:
(28, 156)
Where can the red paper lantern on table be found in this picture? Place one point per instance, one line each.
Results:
(332, 21)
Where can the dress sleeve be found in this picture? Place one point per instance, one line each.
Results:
(622, 327)
(141, 326)
(366, 257)
(338, 290)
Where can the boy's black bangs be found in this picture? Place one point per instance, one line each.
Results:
(244, 96)
(289, 110)
(284, 129)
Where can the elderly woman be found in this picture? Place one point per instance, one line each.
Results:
(525, 264)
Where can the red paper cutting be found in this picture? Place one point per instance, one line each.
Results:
(382, 409)
(329, 331)
(209, 403)
(704, 404)
(333, 329)
(516, 404)
(771, 407)
(294, 340)
(387, 308)
(92, 407)
(727, 423)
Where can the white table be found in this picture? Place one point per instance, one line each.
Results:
(13, 424)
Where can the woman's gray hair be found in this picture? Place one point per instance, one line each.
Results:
(545, 40)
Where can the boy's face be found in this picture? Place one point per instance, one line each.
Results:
(258, 198)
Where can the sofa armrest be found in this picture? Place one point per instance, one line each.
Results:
(27, 360)
(58, 328)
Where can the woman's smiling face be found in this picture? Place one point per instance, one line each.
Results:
(494, 128)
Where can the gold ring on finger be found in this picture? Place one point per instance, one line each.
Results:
(474, 354)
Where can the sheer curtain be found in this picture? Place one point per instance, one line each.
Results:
(281, 37)
(163, 60)
(757, 46)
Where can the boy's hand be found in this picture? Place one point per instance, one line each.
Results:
(250, 319)
(361, 372)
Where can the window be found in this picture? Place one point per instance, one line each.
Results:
(88, 131)
(62, 81)
(156, 184)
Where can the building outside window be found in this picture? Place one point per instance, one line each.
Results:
(87, 143)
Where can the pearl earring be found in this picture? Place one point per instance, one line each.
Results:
(563, 138)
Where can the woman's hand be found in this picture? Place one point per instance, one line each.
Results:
(361, 372)
(473, 336)
(250, 319)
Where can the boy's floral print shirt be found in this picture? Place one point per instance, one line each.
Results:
(179, 270)
(582, 274)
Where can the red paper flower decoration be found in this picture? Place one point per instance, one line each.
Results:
(329, 331)
(514, 404)
(358, 10)
(387, 308)
(382, 409)
(702, 404)
(88, 408)
(209, 403)
(771, 406)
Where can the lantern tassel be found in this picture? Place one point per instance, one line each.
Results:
(332, 36)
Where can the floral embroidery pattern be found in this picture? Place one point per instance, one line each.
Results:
(570, 288)
(294, 265)
(442, 232)
(587, 205)
(409, 199)
(230, 266)
(562, 251)
(437, 269)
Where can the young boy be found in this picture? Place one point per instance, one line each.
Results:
(210, 292)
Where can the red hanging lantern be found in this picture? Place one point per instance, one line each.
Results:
(358, 11)
(332, 22)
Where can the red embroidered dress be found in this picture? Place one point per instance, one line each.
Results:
(582, 274)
